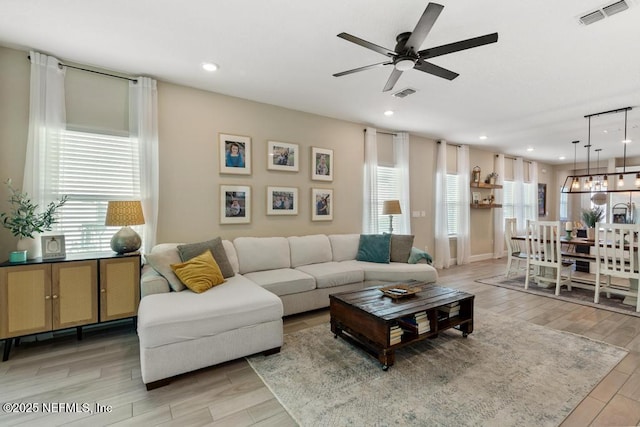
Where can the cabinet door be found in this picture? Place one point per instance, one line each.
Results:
(74, 293)
(119, 287)
(25, 300)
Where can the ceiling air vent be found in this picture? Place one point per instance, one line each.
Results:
(592, 17)
(604, 11)
(404, 93)
(616, 7)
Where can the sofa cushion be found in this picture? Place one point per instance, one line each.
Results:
(397, 271)
(161, 258)
(344, 246)
(374, 248)
(182, 316)
(200, 273)
(283, 281)
(232, 256)
(262, 253)
(401, 245)
(192, 250)
(330, 274)
(309, 249)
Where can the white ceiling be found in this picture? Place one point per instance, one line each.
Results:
(530, 89)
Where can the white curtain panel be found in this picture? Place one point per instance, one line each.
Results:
(518, 195)
(370, 187)
(534, 194)
(442, 256)
(143, 124)
(47, 119)
(401, 155)
(498, 214)
(464, 221)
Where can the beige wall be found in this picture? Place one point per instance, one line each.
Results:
(189, 123)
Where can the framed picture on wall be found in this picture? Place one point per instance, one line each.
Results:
(542, 199)
(282, 201)
(282, 156)
(235, 204)
(321, 164)
(321, 204)
(235, 154)
(53, 247)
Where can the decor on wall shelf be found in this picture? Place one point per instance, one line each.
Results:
(476, 174)
(125, 213)
(282, 201)
(321, 164)
(53, 247)
(282, 156)
(321, 204)
(391, 208)
(491, 178)
(235, 154)
(599, 182)
(235, 204)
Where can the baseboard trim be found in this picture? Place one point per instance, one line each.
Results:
(481, 257)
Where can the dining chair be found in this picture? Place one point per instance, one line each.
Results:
(617, 257)
(515, 253)
(544, 260)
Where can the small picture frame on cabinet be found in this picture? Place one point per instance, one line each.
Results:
(53, 247)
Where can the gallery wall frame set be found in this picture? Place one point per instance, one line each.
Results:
(283, 156)
(235, 204)
(235, 154)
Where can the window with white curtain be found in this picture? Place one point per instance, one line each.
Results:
(388, 189)
(564, 205)
(453, 204)
(508, 200)
(92, 169)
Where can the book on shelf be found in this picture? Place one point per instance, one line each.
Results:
(452, 309)
(417, 323)
(395, 334)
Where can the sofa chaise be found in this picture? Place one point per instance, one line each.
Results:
(269, 277)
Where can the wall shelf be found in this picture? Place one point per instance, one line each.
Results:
(483, 185)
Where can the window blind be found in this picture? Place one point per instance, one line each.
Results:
(91, 169)
(453, 204)
(388, 189)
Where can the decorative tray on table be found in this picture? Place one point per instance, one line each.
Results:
(399, 290)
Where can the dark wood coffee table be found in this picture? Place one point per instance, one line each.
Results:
(368, 317)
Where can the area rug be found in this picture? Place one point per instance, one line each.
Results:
(575, 295)
(506, 373)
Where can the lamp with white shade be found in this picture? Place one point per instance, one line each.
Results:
(391, 208)
(125, 213)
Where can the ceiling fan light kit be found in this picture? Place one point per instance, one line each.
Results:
(406, 54)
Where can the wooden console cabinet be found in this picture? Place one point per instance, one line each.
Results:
(48, 295)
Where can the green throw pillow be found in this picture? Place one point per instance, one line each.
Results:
(417, 255)
(374, 248)
(216, 247)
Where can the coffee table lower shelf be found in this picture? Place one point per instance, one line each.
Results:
(366, 322)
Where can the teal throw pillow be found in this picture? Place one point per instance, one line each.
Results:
(374, 248)
(417, 255)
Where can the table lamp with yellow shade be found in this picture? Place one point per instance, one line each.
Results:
(125, 213)
(391, 208)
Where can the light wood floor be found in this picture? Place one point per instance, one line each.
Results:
(104, 368)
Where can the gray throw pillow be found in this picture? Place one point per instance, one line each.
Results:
(216, 247)
(401, 247)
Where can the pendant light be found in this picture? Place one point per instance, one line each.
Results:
(576, 182)
(625, 141)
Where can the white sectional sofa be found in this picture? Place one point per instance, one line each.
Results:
(274, 276)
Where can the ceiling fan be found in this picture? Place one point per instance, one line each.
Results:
(406, 55)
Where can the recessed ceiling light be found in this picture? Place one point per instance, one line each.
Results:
(530, 149)
(626, 141)
(562, 157)
(483, 137)
(388, 113)
(209, 66)
(605, 131)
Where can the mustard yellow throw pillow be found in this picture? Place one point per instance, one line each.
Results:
(199, 273)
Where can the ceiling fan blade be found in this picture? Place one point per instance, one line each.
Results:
(366, 67)
(368, 45)
(393, 78)
(458, 46)
(430, 68)
(423, 26)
